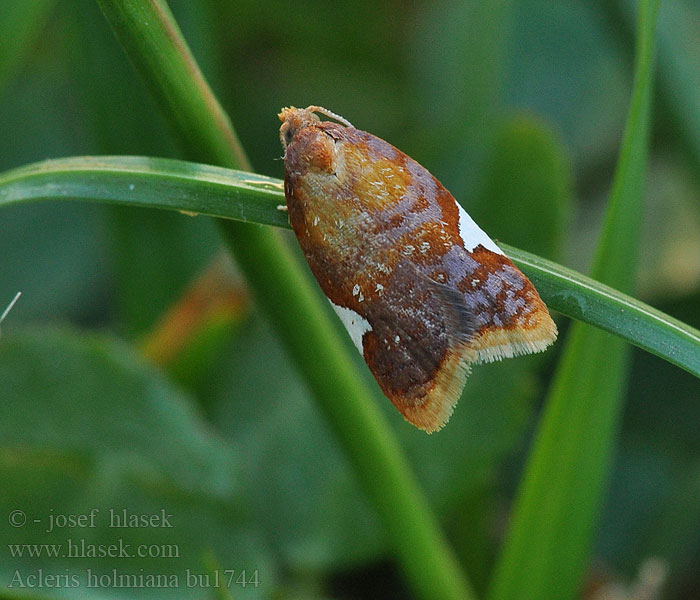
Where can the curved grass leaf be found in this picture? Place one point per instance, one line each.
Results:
(546, 551)
(153, 41)
(595, 303)
(150, 183)
(214, 191)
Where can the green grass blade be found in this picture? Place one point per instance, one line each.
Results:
(677, 68)
(592, 302)
(153, 41)
(547, 547)
(149, 183)
(218, 192)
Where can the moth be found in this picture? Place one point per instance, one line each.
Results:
(421, 289)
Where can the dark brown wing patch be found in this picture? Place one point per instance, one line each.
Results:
(416, 346)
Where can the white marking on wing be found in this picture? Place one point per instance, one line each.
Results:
(355, 324)
(472, 235)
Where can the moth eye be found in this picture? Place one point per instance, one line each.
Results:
(288, 135)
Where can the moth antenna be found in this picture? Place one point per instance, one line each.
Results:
(329, 114)
(9, 306)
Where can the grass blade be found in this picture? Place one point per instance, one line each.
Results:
(218, 192)
(546, 551)
(608, 309)
(678, 75)
(149, 183)
(153, 41)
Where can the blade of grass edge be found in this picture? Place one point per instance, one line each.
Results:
(546, 550)
(151, 38)
(214, 191)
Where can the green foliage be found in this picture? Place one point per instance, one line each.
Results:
(282, 455)
(20, 23)
(98, 435)
(212, 191)
(558, 501)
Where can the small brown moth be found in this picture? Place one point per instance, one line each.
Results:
(422, 291)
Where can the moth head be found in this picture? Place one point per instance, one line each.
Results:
(294, 119)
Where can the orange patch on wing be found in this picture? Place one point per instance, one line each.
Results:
(518, 320)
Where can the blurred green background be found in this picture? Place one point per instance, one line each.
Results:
(517, 107)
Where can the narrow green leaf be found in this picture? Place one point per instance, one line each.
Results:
(546, 551)
(153, 41)
(217, 192)
(152, 183)
(678, 75)
(592, 302)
